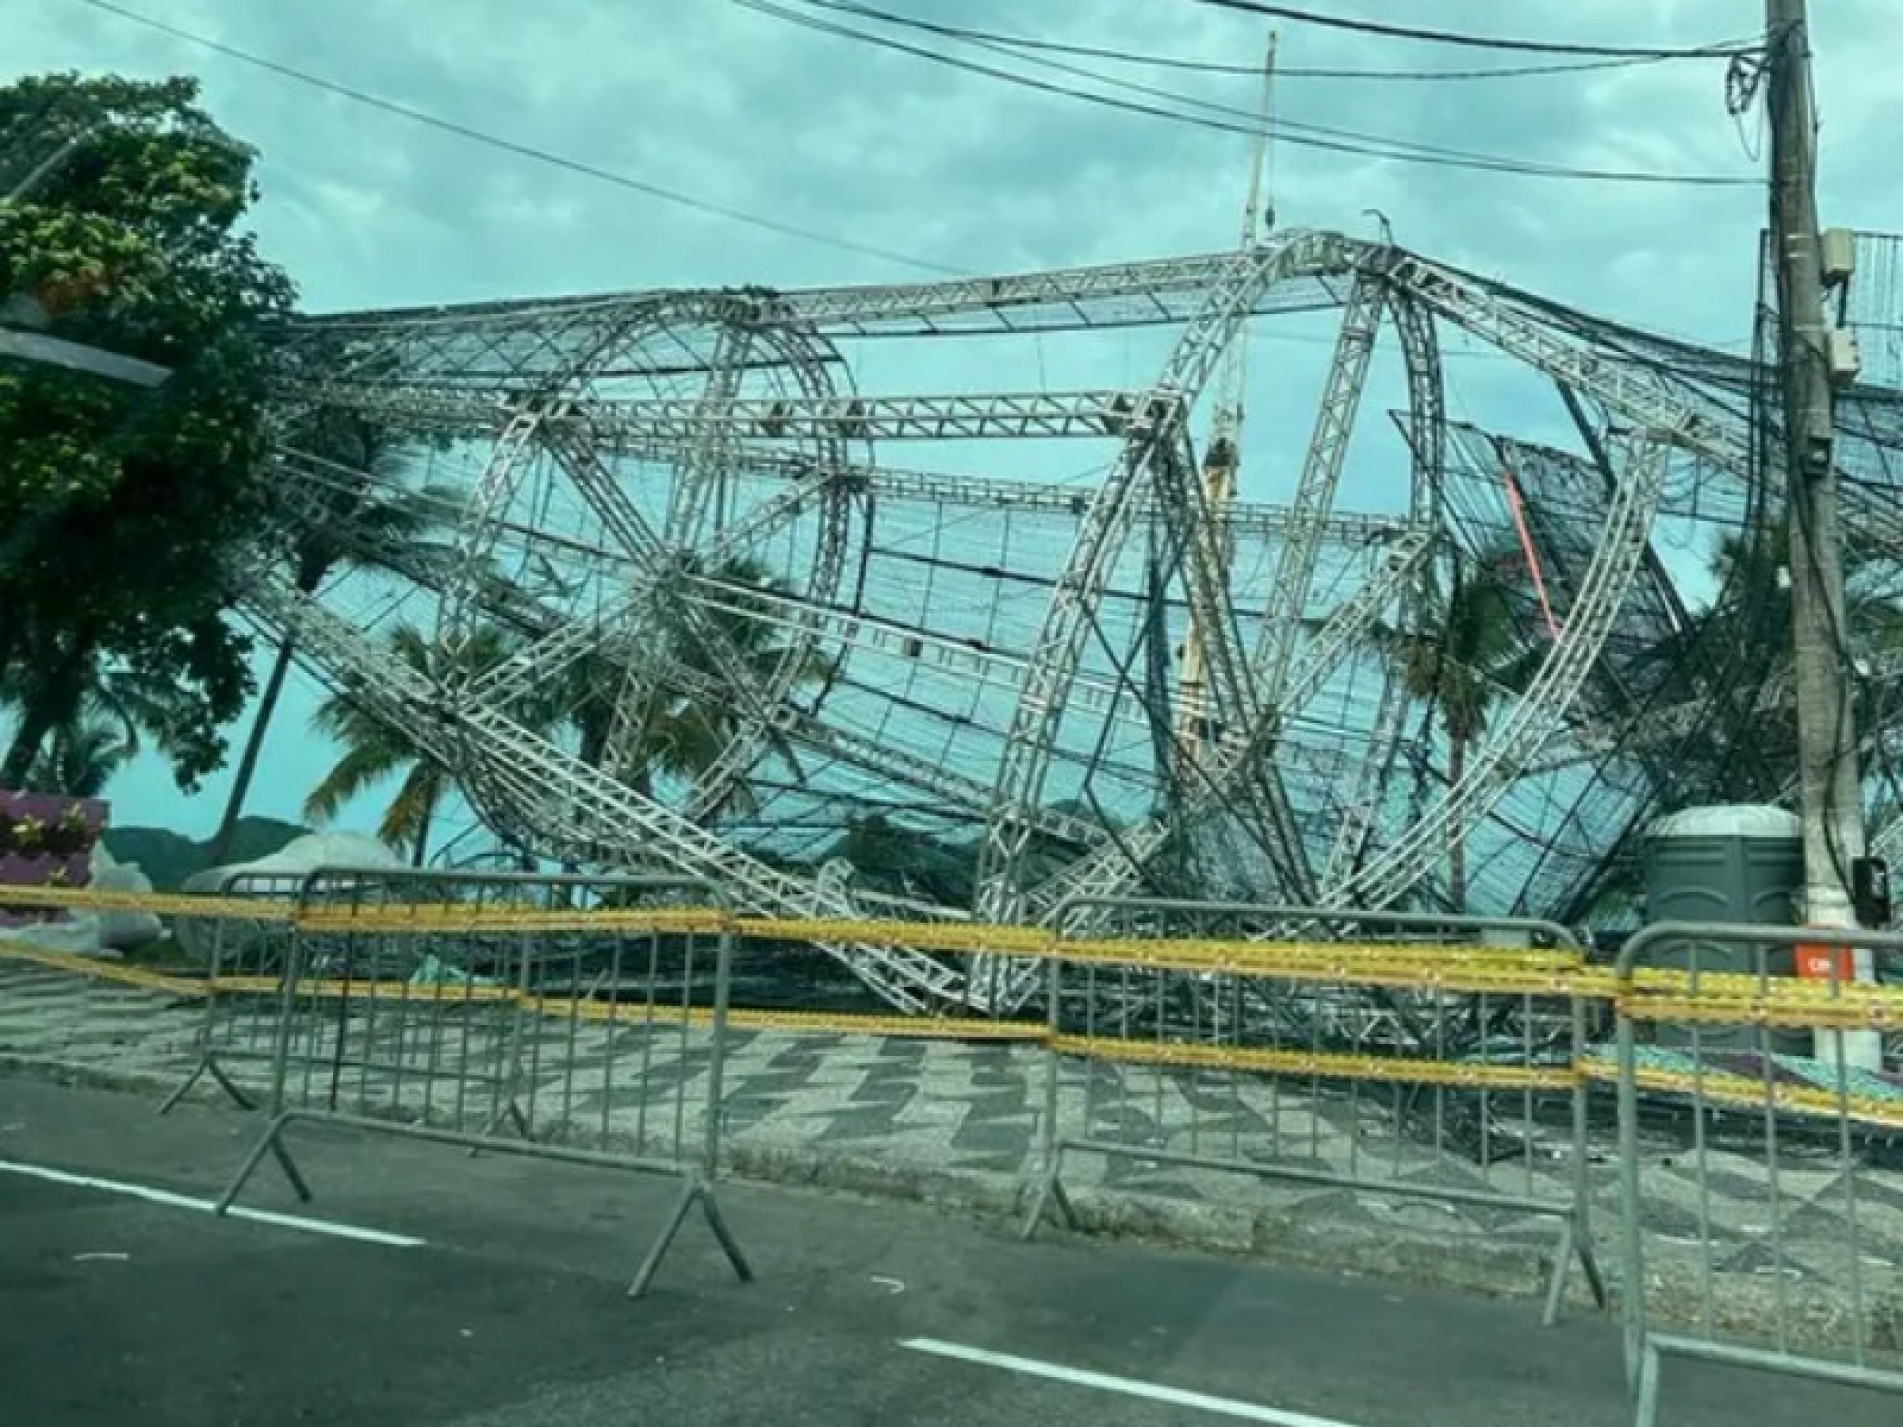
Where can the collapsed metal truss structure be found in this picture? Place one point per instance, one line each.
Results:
(684, 613)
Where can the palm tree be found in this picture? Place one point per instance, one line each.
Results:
(365, 499)
(1742, 643)
(115, 710)
(375, 749)
(80, 757)
(683, 735)
(1468, 653)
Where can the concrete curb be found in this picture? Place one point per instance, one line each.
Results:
(1475, 1264)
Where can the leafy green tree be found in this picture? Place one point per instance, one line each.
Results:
(121, 508)
(681, 738)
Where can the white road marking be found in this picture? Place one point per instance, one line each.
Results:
(1130, 1387)
(204, 1206)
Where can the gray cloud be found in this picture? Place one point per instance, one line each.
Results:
(367, 208)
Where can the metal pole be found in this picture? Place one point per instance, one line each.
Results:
(1832, 794)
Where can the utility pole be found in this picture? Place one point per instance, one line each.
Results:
(1831, 789)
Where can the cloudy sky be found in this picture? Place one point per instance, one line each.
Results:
(939, 169)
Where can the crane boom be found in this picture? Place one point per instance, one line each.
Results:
(1223, 455)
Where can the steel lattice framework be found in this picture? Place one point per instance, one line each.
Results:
(682, 612)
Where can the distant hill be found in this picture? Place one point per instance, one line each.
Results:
(169, 858)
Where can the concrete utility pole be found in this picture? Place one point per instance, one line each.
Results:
(1832, 795)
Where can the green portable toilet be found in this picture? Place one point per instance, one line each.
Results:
(1733, 863)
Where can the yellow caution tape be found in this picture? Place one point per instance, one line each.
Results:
(800, 1022)
(97, 970)
(419, 919)
(973, 937)
(1652, 994)
(162, 904)
(1318, 1064)
(1750, 1093)
(1876, 1012)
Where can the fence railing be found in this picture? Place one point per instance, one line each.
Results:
(242, 960)
(1383, 1053)
(1759, 1057)
(1399, 1057)
(567, 1017)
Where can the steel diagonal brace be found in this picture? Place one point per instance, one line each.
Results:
(1053, 662)
(925, 774)
(603, 492)
(1633, 395)
(983, 492)
(584, 812)
(640, 423)
(773, 515)
(1055, 656)
(572, 445)
(1315, 490)
(1371, 785)
(713, 434)
(1057, 653)
(1270, 816)
(1116, 866)
(476, 536)
(1532, 718)
(576, 451)
(853, 749)
(994, 668)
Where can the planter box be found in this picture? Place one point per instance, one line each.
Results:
(46, 839)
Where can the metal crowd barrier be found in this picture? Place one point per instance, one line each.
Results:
(242, 960)
(574, 1018)
(1356, 1050)
(1822, 1138)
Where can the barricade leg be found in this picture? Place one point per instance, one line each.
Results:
(207, 1065)
(1050, 1192)
(1372, 1052)
(1648, 1388)
(244, 957)
(273, 1140)
(1574, 1242)
(572, 1018)
(1050, 1185)
(693, 1191)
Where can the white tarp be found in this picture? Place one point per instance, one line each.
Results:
(300, 855)
(98, 933)
(276, 877)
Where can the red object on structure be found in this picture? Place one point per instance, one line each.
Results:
(1826, 963)
(1526, 547)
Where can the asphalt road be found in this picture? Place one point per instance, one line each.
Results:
(510, 1312)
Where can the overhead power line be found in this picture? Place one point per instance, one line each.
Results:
(1297, 14)
(528, 151)
(1185, 64)
(1218, 117)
